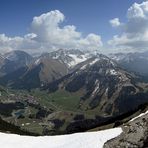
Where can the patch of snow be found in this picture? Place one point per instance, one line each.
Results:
(106, 91)
(37, 61)
(123, 77)
(27, 123)
(118, 57)
(142, 114)
(76, 59)
(56, 56)
(96, 81)
(97, 88)
(113, 72)
(79, 140)
(93, 62)
(113, 64)
(83, 67)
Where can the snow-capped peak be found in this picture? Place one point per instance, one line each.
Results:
(70, 57)
(76, 59)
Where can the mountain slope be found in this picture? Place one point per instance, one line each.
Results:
(103, 86)
(134, 135)
(42, 72)
(20, 57)
(14, 60)
(39, 73)
(69, 57)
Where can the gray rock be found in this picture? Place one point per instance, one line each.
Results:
(134, 135)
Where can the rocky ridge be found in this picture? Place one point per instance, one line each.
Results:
(134, 135)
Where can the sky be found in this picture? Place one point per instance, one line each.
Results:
(46, 25)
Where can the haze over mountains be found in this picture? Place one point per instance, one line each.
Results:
(134, 62)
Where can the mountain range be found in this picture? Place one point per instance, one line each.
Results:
(133, 62)
(72, 90)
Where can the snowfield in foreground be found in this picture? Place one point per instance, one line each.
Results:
(79, 140)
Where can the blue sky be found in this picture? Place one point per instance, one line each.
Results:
(89, 16)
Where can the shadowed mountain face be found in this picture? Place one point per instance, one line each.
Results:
(104, 87)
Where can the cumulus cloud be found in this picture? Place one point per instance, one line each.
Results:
(17, 43)
(48, 30)
(47, 34)
(115, 22)
(134, 35)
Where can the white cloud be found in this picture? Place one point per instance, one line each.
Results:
(48, 30)
(47, 34)
(115, 22)
(17, 43)
(7, 43)
(134, 35)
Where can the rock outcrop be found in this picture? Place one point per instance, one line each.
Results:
(134, 135)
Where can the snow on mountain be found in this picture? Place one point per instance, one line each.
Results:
(118, 56)
(132, 61)
(79, 140)
(128, 57)
(134, 135)
(93, 62)
(13, 61)
(76, 59)
(69, 57)
(99, 58)
(19, 57)
(142, 114)
(37, 61)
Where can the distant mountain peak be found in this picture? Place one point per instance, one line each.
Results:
(68, 57)
(133, 62)
(17, 55)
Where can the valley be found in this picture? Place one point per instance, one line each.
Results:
(44, 96)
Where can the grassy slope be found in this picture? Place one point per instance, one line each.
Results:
(60, 100)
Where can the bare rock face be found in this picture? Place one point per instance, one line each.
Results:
(135, 135)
